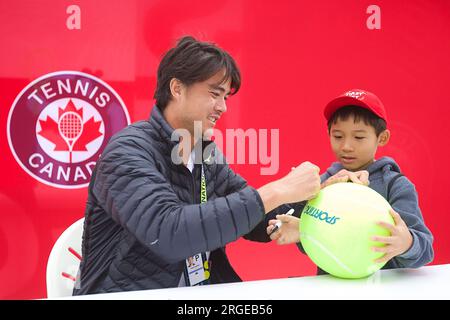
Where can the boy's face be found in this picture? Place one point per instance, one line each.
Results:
(355, 144)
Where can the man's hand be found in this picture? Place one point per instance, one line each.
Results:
(302, 183)
(288, 232)
(399, 242)
(360, 177)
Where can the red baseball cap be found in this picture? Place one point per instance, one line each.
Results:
(356, 97)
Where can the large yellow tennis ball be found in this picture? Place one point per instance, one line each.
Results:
(336, 229)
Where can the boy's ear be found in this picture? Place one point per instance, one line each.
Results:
(384, 137)
(176, 87)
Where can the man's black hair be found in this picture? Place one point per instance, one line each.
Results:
(193, 61)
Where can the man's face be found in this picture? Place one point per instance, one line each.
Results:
(354, 144)
(205, 102)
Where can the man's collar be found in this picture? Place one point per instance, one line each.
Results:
(171, 137)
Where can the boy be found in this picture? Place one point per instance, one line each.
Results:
(357, 127)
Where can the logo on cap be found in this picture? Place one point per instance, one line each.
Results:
(355, 94)
(59, 125)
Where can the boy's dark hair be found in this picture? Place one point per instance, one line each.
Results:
(358, 114)
(193, 61)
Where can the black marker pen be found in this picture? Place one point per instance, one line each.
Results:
(279, 223)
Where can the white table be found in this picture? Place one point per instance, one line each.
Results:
(430, 282)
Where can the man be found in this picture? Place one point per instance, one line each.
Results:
(159, 215)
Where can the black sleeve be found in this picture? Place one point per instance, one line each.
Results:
(259, 233)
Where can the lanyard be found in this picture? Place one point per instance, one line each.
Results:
(196, 268)
(203, 196)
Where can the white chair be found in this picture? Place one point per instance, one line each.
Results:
(64, 261)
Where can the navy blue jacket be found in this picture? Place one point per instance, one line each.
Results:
(143, 215)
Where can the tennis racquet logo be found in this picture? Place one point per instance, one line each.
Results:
(70, 130)
(70, 127)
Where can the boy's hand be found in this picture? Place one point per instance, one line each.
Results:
(399, 242)
(360, 177)
(288, 232)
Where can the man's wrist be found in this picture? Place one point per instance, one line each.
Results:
(271, 195)
(278, 191)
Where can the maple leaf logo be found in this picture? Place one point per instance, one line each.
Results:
(70, 133)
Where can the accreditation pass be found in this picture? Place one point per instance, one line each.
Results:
(195, 269)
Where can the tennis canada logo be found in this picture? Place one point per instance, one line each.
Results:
(59, 125)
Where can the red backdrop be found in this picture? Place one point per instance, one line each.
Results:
(294, 57)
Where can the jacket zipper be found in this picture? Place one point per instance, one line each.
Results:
(192, 174)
